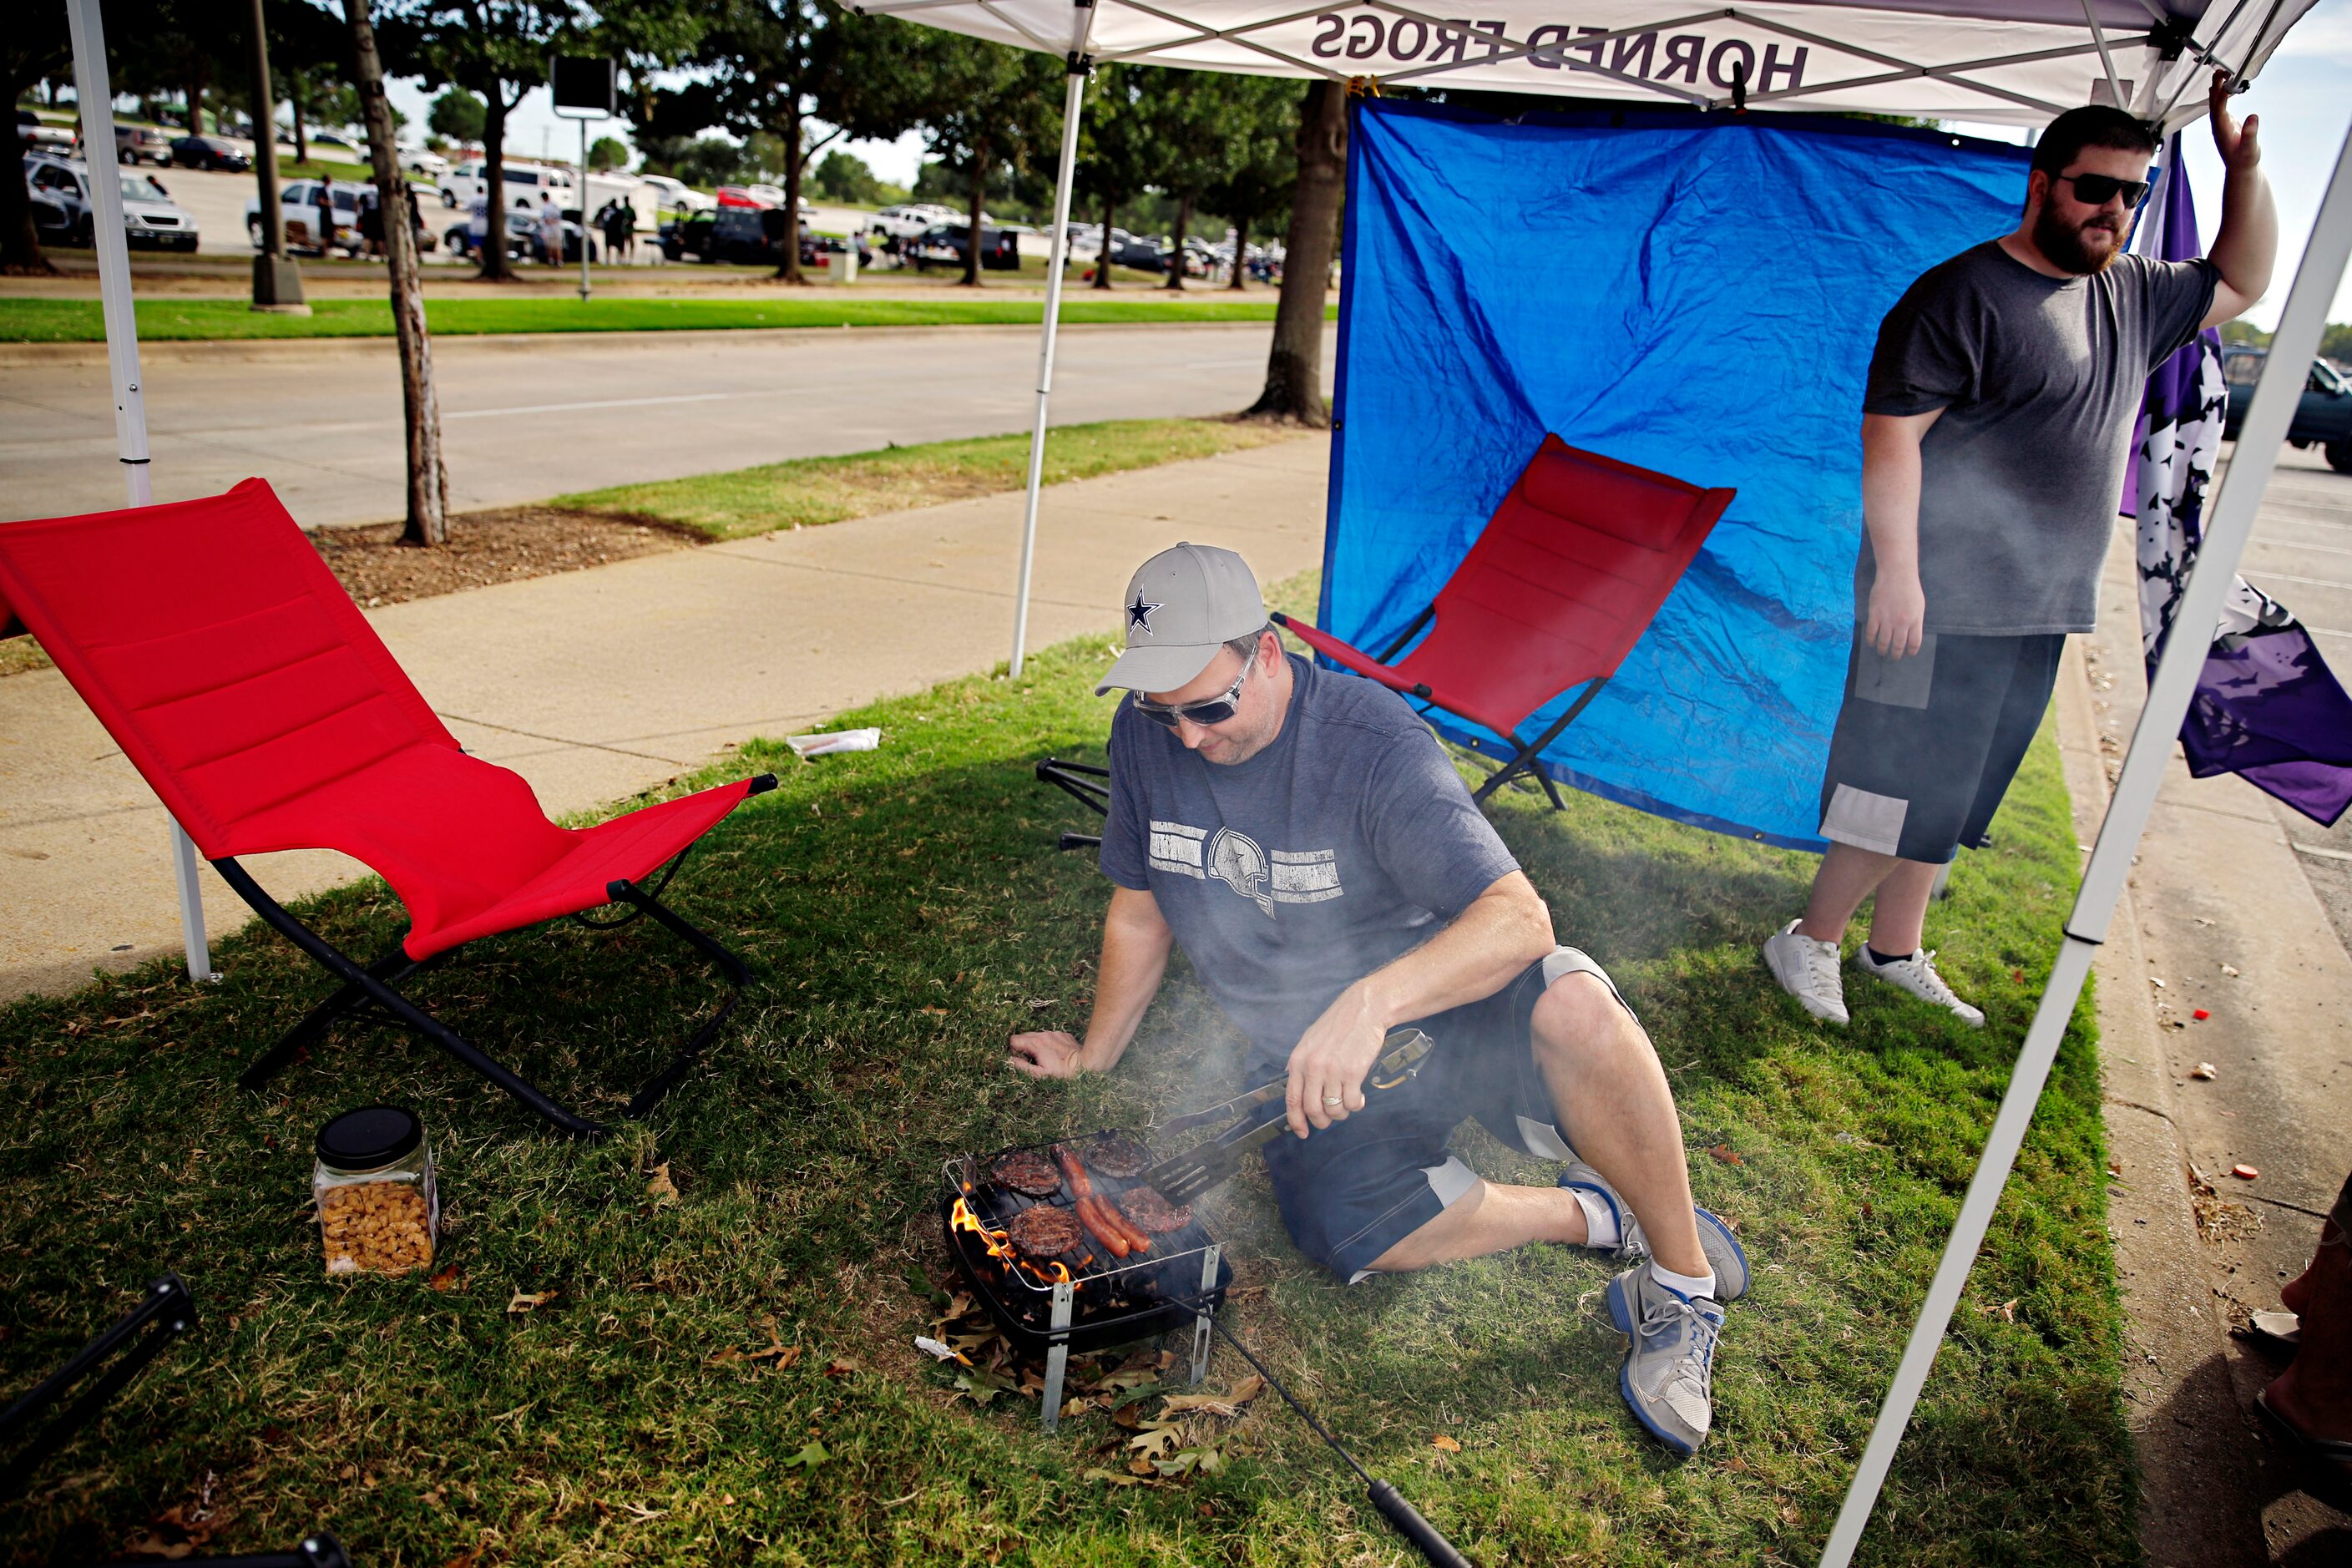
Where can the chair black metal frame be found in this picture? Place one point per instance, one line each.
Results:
(367, 993)
(1077, 780)
(162, 1315)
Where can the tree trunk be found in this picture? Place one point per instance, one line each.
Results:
(1176, 256)
(979, 204)
(428, 481)
(1240, 247)
(1102, 262)
(1293, 369)
(301, 137)
(264, 145)
(788, 266)
(20, 247)
(494, 180)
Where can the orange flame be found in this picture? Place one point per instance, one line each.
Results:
(1001, 1248)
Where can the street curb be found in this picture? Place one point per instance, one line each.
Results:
(2174, 1369)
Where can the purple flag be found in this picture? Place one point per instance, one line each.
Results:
(2266, 706)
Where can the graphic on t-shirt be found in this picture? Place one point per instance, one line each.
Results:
(1236, 859)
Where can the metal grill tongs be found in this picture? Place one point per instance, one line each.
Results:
(1180, 1178)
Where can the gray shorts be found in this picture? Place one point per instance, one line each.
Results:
(1925, 746)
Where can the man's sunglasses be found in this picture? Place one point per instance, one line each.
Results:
(2098, 190)
(1208, 710)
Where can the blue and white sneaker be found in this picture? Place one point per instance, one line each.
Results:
(1724, 1254)
(1668, 1372)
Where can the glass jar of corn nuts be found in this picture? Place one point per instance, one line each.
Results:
(378, 1211)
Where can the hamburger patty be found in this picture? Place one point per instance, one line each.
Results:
(1117, 1155)
(1155, 1214)
(1045, 1231)
(1029, 1171)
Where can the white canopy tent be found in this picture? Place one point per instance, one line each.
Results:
(2006, 61)
(2017, 61)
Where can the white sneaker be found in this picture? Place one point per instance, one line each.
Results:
(1917, 975)
(1807, 969)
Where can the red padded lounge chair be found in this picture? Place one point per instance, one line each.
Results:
(216, 648)
(1558, 589)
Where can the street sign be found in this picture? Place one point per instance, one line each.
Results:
(586, 87)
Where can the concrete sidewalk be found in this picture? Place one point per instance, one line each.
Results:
(595, 684)
(2218, 916)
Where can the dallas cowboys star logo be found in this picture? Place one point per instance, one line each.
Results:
(1139, 614)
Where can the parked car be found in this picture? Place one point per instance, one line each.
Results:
(1143, 255)
(55, 220)
(526, 182)
(142, 144)
(912, 218)
(999, 248)
(418, 159)
(735, 235)
(676, 196)
(522, 238)
(209, 153)
(298, 207)
(40, 136)
(2323, 416)
(149, 217)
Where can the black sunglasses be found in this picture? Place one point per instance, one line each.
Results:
(2098, 190)
(1208, 710)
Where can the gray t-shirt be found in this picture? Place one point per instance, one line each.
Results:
(1287, 878)
(2040, 380)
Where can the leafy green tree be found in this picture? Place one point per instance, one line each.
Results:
(459, 115)
(1254, 190)
(982, 108)
(771, 69)
(34, 45)
(498, 50)
(843, 176)
(608, 152)
(1114, 149)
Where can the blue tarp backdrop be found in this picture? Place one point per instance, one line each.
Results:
(1695, 296)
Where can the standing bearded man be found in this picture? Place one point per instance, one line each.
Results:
(1994, 432)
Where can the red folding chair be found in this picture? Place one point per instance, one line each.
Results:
(216, 648)
(1559, 585)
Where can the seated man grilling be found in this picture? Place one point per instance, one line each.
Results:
(1304, 836)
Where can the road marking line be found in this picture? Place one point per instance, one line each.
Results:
(2306, 582)
(605, 403)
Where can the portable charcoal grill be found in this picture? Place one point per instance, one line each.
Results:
(1088, 1301)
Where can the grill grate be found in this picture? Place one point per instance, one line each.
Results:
(1104, 1301)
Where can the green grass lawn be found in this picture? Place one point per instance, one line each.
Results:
(907, 910)
(164, 320)
(807, 492)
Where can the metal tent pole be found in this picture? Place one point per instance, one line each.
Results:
(2232, 520)
(95, 104)
(1058, 254)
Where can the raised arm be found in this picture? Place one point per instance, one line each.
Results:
(1897, 615)
(1503, 931)
(2245, 249)
(1136, 941)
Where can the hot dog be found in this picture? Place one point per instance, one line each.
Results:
(1074, 1170)
(1138, 1240)
(1101, 1227)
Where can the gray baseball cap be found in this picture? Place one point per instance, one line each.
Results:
(1183, 605)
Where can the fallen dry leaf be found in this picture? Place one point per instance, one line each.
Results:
(1445, 1443)
(841, 1366)
(1726, 1154)
(2203, 1069)
(661, 1189)
(525, 1300)
(446, 1280)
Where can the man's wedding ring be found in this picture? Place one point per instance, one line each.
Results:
(1335, 1100)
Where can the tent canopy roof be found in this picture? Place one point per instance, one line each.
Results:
(2013, 62)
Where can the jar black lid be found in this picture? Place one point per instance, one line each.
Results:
(369, 1138)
